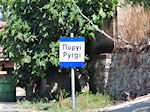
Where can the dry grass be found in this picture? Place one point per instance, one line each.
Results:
(88, 101)
(132, 23)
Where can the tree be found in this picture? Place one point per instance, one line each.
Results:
(31, 37)
(5, 5)
(145, 3)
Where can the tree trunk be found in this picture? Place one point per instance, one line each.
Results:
(43, 85)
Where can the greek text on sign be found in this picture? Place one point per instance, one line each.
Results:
(72, 51)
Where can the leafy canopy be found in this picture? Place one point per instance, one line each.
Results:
(5, 5)
(34, 27)
(145, 3)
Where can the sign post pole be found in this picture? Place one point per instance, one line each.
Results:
(71, 54)
(73, 82)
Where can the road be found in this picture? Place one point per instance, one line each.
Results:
(12, 107)
(141, 104)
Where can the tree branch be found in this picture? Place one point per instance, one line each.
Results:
(102, 31)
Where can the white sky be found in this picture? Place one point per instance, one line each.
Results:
(0, 15)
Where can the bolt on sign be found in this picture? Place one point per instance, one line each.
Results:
(72, 51)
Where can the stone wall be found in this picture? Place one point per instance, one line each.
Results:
(123, 74)
(129, 73)
(98, 70)
(93, 77)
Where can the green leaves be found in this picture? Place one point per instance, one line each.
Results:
(5, 6)
(61, 21)
(102, 13)
(26, 59)
(145, 3)
(31, 38)
(47, 6)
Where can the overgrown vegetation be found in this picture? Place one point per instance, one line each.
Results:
(5, 5)
(145, 3)
(31, 38)
(134, 20)
(84, 102)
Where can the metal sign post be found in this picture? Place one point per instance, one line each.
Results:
(71, 54)
(73, 82)
(73, 87)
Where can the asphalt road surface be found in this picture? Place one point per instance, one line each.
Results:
(141, 104)
(13, 107)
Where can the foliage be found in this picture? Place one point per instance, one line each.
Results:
(84, 102)
(5, 5)
(145, 3)
(34, 27)
(50, 96)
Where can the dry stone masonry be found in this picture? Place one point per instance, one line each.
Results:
(98, 71)
(122, 74)
(129, 73)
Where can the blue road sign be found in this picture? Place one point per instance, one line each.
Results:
(72, 52)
